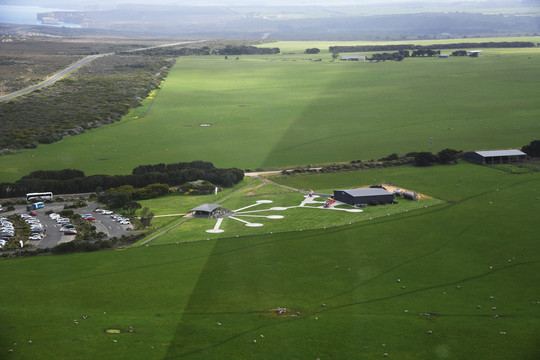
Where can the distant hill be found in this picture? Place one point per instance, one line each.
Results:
(303, 23)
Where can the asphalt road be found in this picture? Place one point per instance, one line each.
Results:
(52, 79)
(77, 65)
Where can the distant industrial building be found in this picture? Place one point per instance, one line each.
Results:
(495, 156)
(363, 197)
(353, 58)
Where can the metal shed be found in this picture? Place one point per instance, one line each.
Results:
(495, 156)
(362, 197)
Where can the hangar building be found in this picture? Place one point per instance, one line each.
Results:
(495, 156)
(363, 197)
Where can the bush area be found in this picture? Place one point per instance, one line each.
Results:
(206, 50)
(99, 93)
(533, 149)
(423, 158)
(79, 245)
(74, 181)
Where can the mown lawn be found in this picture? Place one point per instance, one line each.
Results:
(450, 281)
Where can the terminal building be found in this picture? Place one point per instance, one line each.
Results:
(206, 210)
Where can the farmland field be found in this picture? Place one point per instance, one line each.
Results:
(453, 276)
(287, 110)
(452, 281)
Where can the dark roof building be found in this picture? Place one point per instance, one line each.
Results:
(362, 197)
(495, 156)
(206, 210)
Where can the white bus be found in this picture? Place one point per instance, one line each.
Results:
(39, 196)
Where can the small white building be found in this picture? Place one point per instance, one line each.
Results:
(474, 53)
(353, 57)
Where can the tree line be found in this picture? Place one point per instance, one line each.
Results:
(75, 181)
(205, 50)
(397, 47)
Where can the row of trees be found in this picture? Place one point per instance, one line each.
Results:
(425, 52)
(74, 181)
(246, 50)
(312, 51)
(397, 47)
(396, 56)
(533, 149)
(426, 158)
(402, 54)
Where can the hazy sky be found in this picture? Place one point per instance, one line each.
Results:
(275, 2)
(110, 3)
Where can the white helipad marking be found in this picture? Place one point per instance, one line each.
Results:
(216, 228)
(246, 222)
(215, 231)
(244, 215)
(252, 211)
(258, 202)
(309, 201)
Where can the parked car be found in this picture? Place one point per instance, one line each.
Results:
(67, 227)
(107, 212)
(88, 217)
(35, 237)
(125, 222)
(70, 232)
(2, 243)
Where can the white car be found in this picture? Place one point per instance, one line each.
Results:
(107, 212)
(2, 242)
(54, 216)
(35, 237)
(125, 222)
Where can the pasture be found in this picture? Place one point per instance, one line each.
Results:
(456, 280)
(453, 281)
(287, 110)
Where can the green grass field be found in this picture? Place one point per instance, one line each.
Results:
(450, 259)
(456, 280)
(284, 110)
(244, 198)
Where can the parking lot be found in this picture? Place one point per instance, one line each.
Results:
(52, 234)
